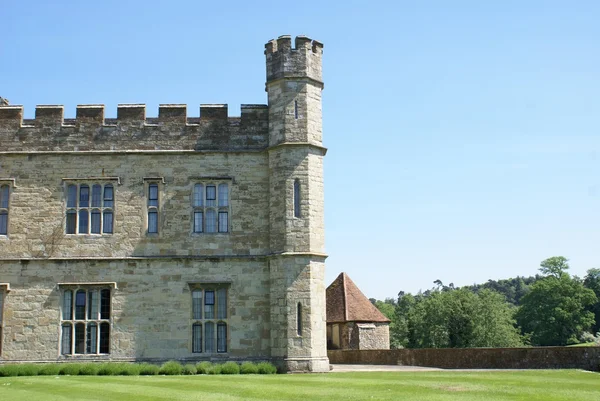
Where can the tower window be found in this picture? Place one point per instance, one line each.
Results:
(297, 210)
(299, 319)
(4, 194)
(296, 109)
(152, 208)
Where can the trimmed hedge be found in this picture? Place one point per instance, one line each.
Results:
(134, 369)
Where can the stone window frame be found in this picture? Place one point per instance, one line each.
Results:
(218, 320)
(7, 186)
(153, 206)
(221, 208)
(105, 206)
(297, 190)
(98, 321)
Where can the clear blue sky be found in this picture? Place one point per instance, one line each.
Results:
(464, 137)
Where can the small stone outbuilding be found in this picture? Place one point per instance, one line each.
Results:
(353, 322)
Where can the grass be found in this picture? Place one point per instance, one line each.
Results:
(546, 385)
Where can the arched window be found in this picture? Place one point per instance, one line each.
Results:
(297, 211)
(4, 194)
(299, 319)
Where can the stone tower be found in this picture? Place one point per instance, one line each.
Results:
(297, 268)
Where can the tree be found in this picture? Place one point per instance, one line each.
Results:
(555, 310)
(592, 282)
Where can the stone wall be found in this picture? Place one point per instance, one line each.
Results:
(587, 358)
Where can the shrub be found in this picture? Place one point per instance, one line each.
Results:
(127, 369)
(171, 368)
(189, 369)
(266, 368)
(230, 368)
(89, 369)
(248, 368)
(28, 369)
(49, 369)
(203, 368)
(9, 370)
(70, 369)
(148, 369)
(215, 369)
(107, 369)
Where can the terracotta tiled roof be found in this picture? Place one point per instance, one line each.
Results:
(346, 303)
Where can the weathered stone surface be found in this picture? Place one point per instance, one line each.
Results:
(270, 259)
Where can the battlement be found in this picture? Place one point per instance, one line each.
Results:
(301, 61)
(172, 129)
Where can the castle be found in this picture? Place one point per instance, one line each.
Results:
(149, 239)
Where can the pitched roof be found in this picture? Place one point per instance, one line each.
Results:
(346, 303)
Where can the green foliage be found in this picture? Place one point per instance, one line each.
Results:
(556, 309)
(24, 369)
(89, 369)
(215, 369)
(70, 369)
(230, 368)
(189, 369)
(266, 368)
(592, 282)
(555, 266)
(148, 369)
(107, 369)
(127, 369)
(49, 369)
(248, 368)
(171, 368)
(204, 367)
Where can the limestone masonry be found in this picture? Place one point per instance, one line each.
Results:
(173, 237)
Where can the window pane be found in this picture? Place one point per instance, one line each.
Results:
(80, 338)
(66, 340)
(198, 194)
(4, 192)
(104, 338)
(72, 196)
(197, 338)
(153, 195)
(108, 196)
(95, 222)
(71, 222)
(83, 221)
(92, 338)
(152, 221)
(211, 221)
(223, 222)
(221, 337)
(84, 196)
(223, 195)
(107, 226)
(3, 223)
(296, 198)
(105, 304)
(211, 195)
(198, 217)
(93, 305)
(80, 305)
(209, 304)
(209, 337)
(222, 303)
(67, 305)
(197, 304)
(299, 319)
(97, 195)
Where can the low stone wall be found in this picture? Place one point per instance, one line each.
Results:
(587, 358)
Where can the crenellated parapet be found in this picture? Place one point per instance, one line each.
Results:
(132, 130)
(287, 61)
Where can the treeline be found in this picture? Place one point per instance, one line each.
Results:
(552, 308)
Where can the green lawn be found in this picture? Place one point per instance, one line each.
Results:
(444, 385)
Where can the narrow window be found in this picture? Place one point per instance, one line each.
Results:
(80, 338)
(209, 335)
(93, 302)
(1, 316)
(67, 310)
(3, 222)
(66, 339)
(152, 222)
(107, 222)
(71, 222)
(95, 221)
(223, 195)
(211, 195)
(198, 195)
(297, 209)
(223, 222)
(108, 196)
(222, 303)
(296, 109)
(105, 304)
(153, 195)
(97, 195)
(211, 221)
(80, 305)
(197, 337)
(197, 304)
(83, 221)
(221, 337)
(209, 304)
(92, 338)
(198, 221)
(4, 194)
(153, 208)
(72, 196)
(84, 196)
(104, 338)
(299, 319)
